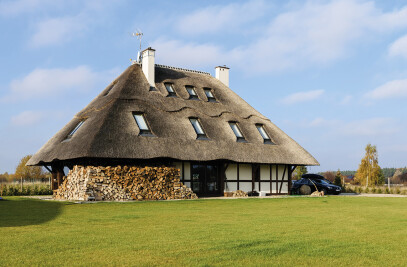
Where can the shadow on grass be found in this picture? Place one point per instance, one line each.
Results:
(22, 211)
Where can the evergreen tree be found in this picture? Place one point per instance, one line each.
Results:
(338, 178)
(369, 172)
(299, 171)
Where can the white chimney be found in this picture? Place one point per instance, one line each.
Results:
(148, 65)
(222, 74)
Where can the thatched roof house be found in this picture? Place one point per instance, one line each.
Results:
(155, 114)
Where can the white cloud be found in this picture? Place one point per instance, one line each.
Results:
(399, 47)
(369, 127)
(27, 118)
(302, 97)
(57, 31)
(346, 100)
(366, 127)
(53, 82)
(17, 7)
(311, 34)
(177, 53)
(214, 19)
(392, 89)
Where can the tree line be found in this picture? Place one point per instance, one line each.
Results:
(25, 172)
(369, 172)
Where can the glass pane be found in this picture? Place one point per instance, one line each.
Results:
(169, 88)
(262, 132)
(76, 128)
(236, 130)
(198, 177)
(191, 91)
(209, 93)
(141, 122)
(197, 126)
(211, 178)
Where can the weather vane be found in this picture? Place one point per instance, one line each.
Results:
(139, 35)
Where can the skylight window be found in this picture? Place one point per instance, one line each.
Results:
(142, 124)
(170, 89)
(263, 134)
(192, 92)
(198, 128)
(209, 95)
(75, 129)
(236, 131)
(109, 89)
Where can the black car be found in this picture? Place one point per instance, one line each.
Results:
(311, 182)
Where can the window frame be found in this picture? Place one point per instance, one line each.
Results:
(109, 89)
(143, 132)
(75, 129)
(266, 140)
(200, 136)
(192, 96)
(238, 138)
(210, 98)
(170, 94)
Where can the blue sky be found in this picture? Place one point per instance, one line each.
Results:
(331, 74)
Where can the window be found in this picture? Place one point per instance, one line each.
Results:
(142, 124)
(191, 92)
(209, 95)
(237, 132)
(198, 128)
(109, 89)
(263, 134)
(74, 130)
(170, 90)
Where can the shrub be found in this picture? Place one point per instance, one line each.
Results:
(398, 190)
(379, 191)
(28, 190)
(374, 190)
(387, 190)
(359, 189)
(367, 190)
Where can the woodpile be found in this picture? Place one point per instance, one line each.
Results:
(123, 183)
(239, 193)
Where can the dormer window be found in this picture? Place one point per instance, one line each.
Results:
(142, 124)
(264, 134)
(209, 95)
(170, 90)
(192, 92)
(109, 89)
(198, 128)
(237, 132)
(74, 130)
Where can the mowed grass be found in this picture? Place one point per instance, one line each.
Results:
(287, 231)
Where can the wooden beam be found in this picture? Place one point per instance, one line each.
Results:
(281, 186)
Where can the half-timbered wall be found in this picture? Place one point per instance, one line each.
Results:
(271, 179)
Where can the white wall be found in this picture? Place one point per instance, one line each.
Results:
(265, 172)
(245, 172)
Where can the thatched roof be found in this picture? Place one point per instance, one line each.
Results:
(110, 130)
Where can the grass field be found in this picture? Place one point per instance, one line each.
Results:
(287, 231)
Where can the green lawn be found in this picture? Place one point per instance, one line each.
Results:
(287, 231)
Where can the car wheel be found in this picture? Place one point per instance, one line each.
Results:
(305, 190)
(325, 192)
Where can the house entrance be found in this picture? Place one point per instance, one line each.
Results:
(205, 179)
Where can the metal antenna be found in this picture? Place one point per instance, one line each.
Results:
(139, 35)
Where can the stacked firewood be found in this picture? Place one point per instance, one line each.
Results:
(239, 193)
(123, 183)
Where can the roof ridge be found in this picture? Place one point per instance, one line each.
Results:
(176, 68)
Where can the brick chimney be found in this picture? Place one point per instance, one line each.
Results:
(222, 74)
(148, 65)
